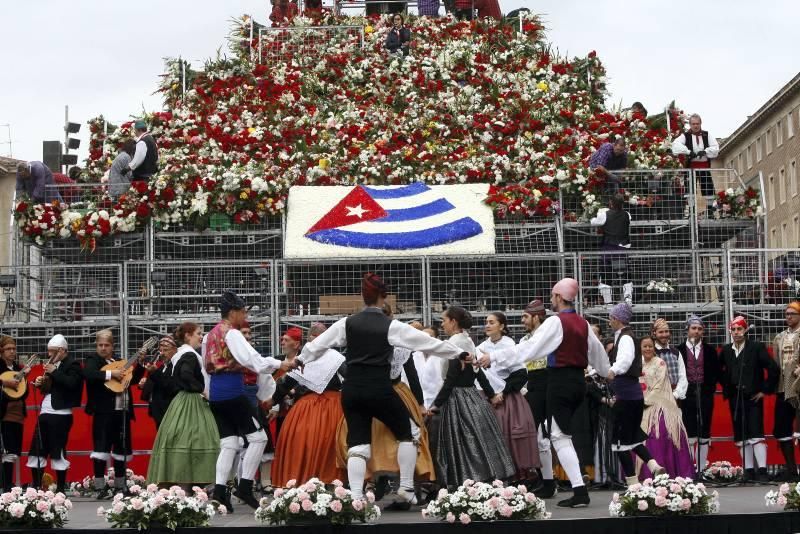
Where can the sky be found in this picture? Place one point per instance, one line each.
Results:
(722, 59)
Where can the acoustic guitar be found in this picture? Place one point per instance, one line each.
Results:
(22, 387)
(126, 366)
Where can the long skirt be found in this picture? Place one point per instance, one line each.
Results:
(306, 445)
(519, 431)
(383, 459)
(470, 443)
(677, 461)
(187, 443)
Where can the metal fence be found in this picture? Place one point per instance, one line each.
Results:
(143, 298)
(305, 44)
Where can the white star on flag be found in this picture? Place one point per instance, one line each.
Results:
(357, 211)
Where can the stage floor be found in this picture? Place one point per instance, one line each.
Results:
(733, 500)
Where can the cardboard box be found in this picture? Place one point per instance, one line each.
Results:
(346, 304)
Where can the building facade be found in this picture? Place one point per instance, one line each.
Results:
(8, 183)
(769, 143)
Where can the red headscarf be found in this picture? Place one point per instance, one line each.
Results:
(294, 333)
(372, 288)
(738, 321)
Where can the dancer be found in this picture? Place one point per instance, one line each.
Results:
(671, 356)
(513, 412)
(155, 387)
(786, 349)
(470, 442)
(187, 444)
(661, 421)
(227, 356)
(748, 373)
(12, 411)
(626, 368)
(370, 338)
(62, 385)
(565, 341)
(702, 372)
(306, 447)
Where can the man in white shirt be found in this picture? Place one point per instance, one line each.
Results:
(699, 148)
(144, 163)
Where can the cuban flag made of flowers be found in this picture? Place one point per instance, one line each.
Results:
(408, 220)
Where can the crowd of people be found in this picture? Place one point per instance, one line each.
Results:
(384, 404)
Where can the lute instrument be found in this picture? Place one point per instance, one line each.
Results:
(22, 387)
(126, 366)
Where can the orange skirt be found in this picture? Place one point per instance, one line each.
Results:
(306, 445)
(384, 445)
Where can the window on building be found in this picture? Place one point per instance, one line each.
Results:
(793, 178)
(782, 184)
(790, 125)
(749, 156)
(784, 236)
(796, 236)
(773, 238)
(768, 140)
(779, 133)
(772, 195)
(759, 149)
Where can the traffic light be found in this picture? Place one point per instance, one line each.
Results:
(51, 155)
(71, 143)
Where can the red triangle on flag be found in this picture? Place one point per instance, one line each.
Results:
(354, 208)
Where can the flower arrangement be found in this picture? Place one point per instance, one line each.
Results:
(480, 501)
(662, 285)
(723, 472)
(492, 104)
(787, 496)
(151, 506)
(312, 501)
(793, 284)
(665, 496)
(86, 486)
(740, 203)
(33, 509)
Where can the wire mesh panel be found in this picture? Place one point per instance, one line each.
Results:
(56, 294)
(329, 290)
(764, 277)
(112, 249)
(32, 337)
(527, 236)
(305, 44)
(222, 240)
(495, 283)
(376, 7)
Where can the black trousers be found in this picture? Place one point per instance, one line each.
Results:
(112, 431)
(368, 393)
(747, 416)
(697, 410)
(706, 182)
(785, 415)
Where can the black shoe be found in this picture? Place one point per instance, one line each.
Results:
(222, 497)
(244, 492)
(103, 494)
(548, 489)
(579, 499)
(762, 474)
(749, 475)
(382, 487)
(786, 475)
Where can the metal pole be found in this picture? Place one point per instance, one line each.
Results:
(666, 114)
(66, 138)
(183, 75)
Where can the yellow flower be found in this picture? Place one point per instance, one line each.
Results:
(324, 163)
(109, 161)
(243, 195)
(537, 193)
(408, 152)
(529, 134)
(251, 130)
(542, 86)
(369, 29)
(174, 86)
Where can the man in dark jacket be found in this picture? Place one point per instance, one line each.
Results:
(157, 388)
(145, 160)
(702, 373)
(62, 386)
(615, 225)
(748, 373)
(36, 180)
(112, 414)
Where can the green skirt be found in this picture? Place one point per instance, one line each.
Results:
(187, 443)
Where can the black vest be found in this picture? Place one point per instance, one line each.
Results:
(635, 370)
(150, 164)
(616, 230)
(688, 139)
(368, 339)
(67, 385)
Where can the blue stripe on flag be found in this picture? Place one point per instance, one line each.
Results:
(440, 235)
(436, 207)
(397, 192)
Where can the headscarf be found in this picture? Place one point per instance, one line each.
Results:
(230, 301)
(567, 288)
(738, 321)
(622, 312)
(535, 307)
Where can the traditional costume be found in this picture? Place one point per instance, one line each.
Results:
(12, 414)
(187, 444)
(565, 342)
(671, 356)
(786, 349)
(157, 391)
(370, 338)
(666, 437)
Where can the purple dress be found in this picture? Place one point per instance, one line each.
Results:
(663, 424)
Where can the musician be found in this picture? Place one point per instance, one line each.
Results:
(12, 412)
(113, 413)
(155, 388)
(62, 386)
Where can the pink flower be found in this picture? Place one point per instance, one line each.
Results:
(340, 492)
(101, 512)
(159, 500)
(222, 510)
(660, 501)
(42, 506)
(307, 505)
(675, 488)
(152, 488)
(336, 506)
(469, 482)
(17, 509)
(8, 498)
(31, 494)
(781, 501)
(784, 489)
(507, 493)
(530, 497)
(493, 503)
(635, 487)
(302, 495)
(442, 493)
(450, 517)
(506, 510)
(370, 497)
(337, 483)
(278, 492)
(135, 489)
(686, 504)
(662, 491)
(497, 483)
(642, 505)
(294, 508)
(292, 483)
(465, 519)
(117, 507)
(425, 513)
(358, 505)
(59, 499)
